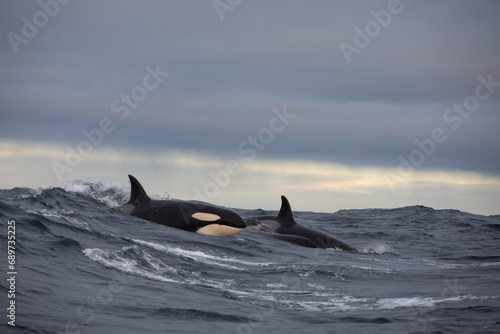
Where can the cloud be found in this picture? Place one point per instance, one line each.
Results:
(310, 185)
(227, 76)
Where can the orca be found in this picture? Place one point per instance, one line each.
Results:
(284, 225)
(192, 216)
(284, 238)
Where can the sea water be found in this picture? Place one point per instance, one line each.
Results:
(81, 266)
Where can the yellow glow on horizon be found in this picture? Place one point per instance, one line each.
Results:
(332, 175)
(339, 177)
(292, 175)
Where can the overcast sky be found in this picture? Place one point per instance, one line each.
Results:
(336, 104)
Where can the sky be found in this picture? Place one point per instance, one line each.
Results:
(334, 104)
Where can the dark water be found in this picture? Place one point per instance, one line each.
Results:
(83, 267)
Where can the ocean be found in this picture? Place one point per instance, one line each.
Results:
(71, 263)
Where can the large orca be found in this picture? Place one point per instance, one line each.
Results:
(285, 225)
(192, 216)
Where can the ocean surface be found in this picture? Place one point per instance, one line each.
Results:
(81, 266)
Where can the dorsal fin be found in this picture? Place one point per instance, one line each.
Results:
(137, 192)
(285, 216)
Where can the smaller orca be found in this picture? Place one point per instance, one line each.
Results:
(285, 225)
(285, 238)
(192, 216)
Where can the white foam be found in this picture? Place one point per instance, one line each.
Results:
(109, 192)
(276, 285)
(310, 297)
(103, 257)
(117, 261)
(200, 256)
(33, 192)
(158, 271)
(378, 248)
(392, 303)
(165, 197)
(62, 214)
(316, 286)
(77, 187)
(385, 270)
(490, 264)
(334, 303)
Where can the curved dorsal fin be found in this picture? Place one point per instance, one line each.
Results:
(137, 192)
(285, 216)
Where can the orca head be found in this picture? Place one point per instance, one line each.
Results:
(212, 220)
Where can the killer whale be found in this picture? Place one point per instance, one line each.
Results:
(283, 238)
(285, 226)
(192, 216)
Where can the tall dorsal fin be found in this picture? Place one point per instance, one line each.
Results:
(137, 192)
(285, 216)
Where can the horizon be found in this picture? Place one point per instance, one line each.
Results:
(334, 105)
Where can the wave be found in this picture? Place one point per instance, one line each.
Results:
(74, 243)
(133, 260)
(308, 297)
(203, 257)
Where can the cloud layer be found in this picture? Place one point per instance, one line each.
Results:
(64, 65)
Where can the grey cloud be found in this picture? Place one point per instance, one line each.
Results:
(227, 76)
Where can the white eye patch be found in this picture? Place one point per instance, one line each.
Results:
(206, 217)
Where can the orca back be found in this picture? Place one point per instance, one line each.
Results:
(137, 193)
(285, 216)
